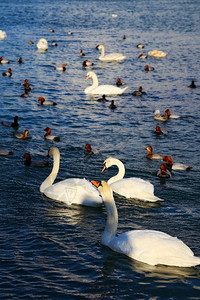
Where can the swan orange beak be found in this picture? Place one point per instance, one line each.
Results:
(87, 77)
(96, 183)
(104, 168)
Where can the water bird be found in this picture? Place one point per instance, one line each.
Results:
(81, 53)
(119, 82)
(129, 187)
(117, 57)
(138, 93)
(101, 89)
(175, 166)
(112, 105)
(124, 37)
(88, 149)
(148, 246)
(30, 43)
(25, 94)
(26, 85)
(157, 54)
(54, 44)
(140, 46)
(69, 32)
(171, 116)
(5, 152)
(36, 163)
(142, 56)
(51, 30)
(14, 124)
(103, 99)
(22, 136)
(3, 61)
(8, 73)
(147, 68)
(49, 137)
(150, 154)
(87, 63)
(163, 172)
(45, 102)
(3, 35)
(63, 68)
(159, 131)
(160, 117)
(71, 190)
(42, 45)
(19, 60)
(192, 85)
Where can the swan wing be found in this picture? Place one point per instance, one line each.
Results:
(135, 188)
(113, 57)
(154, 247)
(105, 90)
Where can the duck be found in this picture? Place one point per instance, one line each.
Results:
(170, 116)
(192, 85)
(117, 57)
(42, 45)
(175, 166)
(4, 61)
(51, 30)
(3, 35)
(147, 246)
(147, 68)
(50, 137)
(159, 117)
(150, 154)
(5, 152)
(159, 131)
(97, 89)
(8, 73)
(87, 63)
(46, 102)
(142, 56)
(13, 124)
(30, 43)
(119, 82)
(26, 85)
(157, 53)
(19, 60)
(129, 187)
(103, 99)
(63, 68)
(54, 44)
(163, 172)
(112, 105)
(88, 149)
(70, 191)
(81, 53)
(25, 94)
(140, 46)
(36, 163)
(139, 92)
(22, 136)
(69, 32)
(124, 37)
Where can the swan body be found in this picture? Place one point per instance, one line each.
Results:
(151, 155)
(3, 35)
(72, 190)
(42, 45)
(157, 53)
(96, 89)
(118, 57)
(129, 187)
(159, 117)
(148, 246)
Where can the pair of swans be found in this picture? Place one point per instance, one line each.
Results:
(96, 89)
(116, 57)
(82, 192)
(148, 246)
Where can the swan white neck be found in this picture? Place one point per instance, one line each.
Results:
(120, 173)
(95, 81)
(112, 220)
(52, 176)
(102, 51)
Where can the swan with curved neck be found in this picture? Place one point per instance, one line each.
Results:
(72, 190)
(148, 246)
(117, 57)
(96, 89)
(129, 187)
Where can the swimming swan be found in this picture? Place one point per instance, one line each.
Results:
(129, 187)
(42, 45)
(96, 89)
(148, 246)
(157, 53)
(70, 191)
(118, 57)
(3, 35)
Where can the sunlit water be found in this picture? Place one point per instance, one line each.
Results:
(49, 250)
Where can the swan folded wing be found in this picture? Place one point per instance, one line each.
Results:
(113, 57)
(105, 90)
(154, 247)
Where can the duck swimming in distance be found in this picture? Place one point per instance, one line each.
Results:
(175, 166)
(14, 124)
(36, 163)
(49, 137)
(45, 102)
(150, 154)
(22, 136)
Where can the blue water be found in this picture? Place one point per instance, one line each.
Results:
(50, 250)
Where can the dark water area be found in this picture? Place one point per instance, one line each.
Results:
(50, 250)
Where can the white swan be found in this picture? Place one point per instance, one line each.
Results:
(129, 187)
(111, 56)
(42, 45)
(96, 89)
(157, 53)
(3, 35)
(70, 191)
(148, 246)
